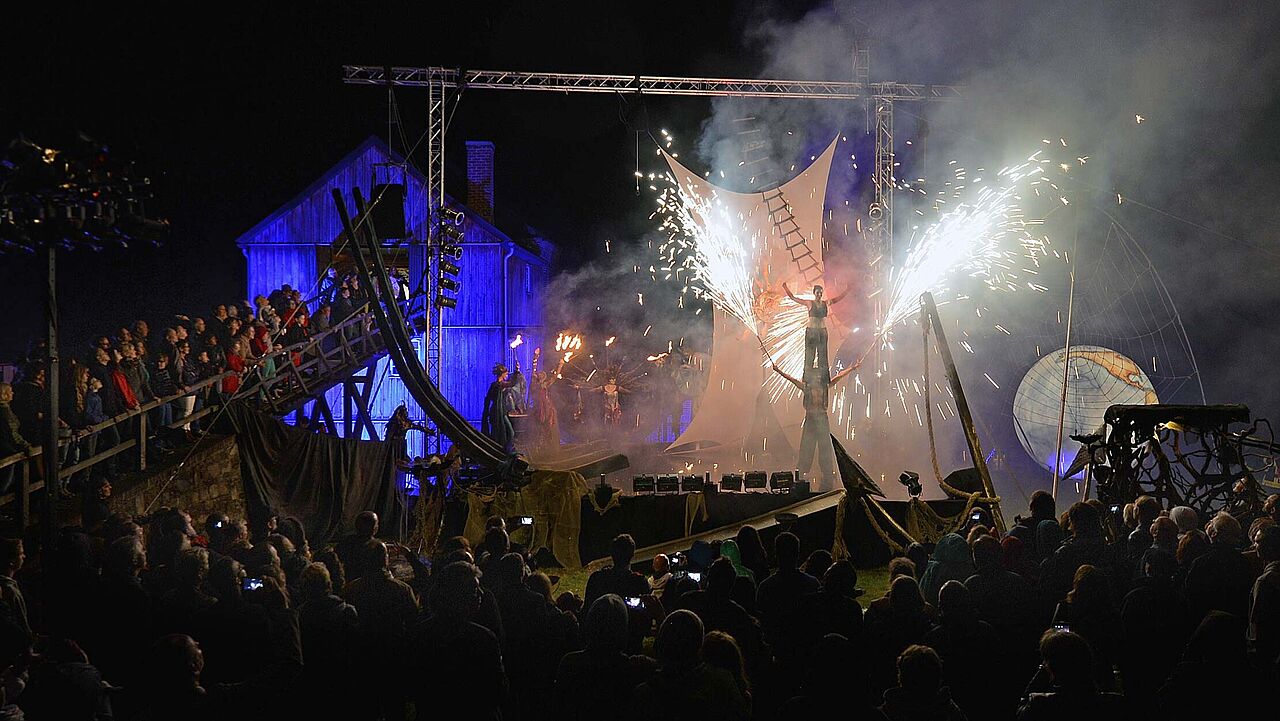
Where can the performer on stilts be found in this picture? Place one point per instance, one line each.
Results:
(495, 422)
(815, 333)
(814, 390)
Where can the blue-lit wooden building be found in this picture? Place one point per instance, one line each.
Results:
(502, 277)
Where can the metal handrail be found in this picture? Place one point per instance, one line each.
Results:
(321, 368)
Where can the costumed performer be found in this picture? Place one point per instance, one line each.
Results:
(494, 421)
(814, 391)
(815, 331)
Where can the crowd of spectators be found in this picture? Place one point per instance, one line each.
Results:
(133, 366)
(1091, 615)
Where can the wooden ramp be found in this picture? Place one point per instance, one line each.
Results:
(813, 504)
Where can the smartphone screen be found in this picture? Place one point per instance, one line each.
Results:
(696, 576)
(252, 584)
(633, 601)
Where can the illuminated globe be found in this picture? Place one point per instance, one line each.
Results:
(1097, 379)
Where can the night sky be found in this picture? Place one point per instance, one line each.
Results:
(234, 113)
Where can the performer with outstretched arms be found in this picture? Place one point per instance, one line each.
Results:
(816, 429)
(815, 333)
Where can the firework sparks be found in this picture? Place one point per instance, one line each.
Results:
(709, 245)
(982, 238)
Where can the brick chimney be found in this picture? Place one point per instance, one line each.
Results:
(480, 178)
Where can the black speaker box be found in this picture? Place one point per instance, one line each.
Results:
(387, 213)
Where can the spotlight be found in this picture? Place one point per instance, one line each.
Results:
(449, 284)
(449, 268)
(781, 481)
(668, 483)
(755, 479)
(644, 484)
(451, 251)
(449, 216)
(450, 234)
(911, 480)
(731, 482)
(444, 301)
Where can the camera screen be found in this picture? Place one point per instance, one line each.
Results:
(526, 520)
(252, 584)
(633, 601)
(696, 576)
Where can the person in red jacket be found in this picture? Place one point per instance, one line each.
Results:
(235, 363)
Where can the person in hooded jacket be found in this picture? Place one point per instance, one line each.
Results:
(951, 561)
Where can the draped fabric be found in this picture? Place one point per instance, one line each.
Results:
(730, 414)
(322, 480)
(553, 498)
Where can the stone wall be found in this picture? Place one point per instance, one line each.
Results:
(210, 481)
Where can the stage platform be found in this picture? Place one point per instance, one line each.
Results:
(657, 522)
(729, 521)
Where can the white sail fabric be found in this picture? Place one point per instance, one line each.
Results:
(738, 369)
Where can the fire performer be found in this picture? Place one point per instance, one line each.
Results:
(816, 429)
(815, 333)
(612, 400)
(547, 435)
(494, 422)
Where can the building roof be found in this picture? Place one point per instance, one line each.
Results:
(309, 218)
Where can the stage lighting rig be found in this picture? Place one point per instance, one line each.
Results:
(74, 198)
(449, 237)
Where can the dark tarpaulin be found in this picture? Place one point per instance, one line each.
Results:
(321, 480)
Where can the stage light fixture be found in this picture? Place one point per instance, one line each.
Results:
(644, 484)
(911, 480)
(451, 251)
(755, 479)
(731, 482)
(450, 234)
(781, 481)
(449, 216)
(444, 301)
(669, 483)
(449, 268)
(692, 484)
(449, 284)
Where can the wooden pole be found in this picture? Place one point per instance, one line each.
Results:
(1066, 366)
(962, 406)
